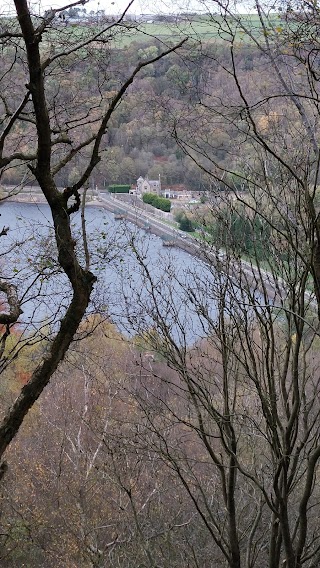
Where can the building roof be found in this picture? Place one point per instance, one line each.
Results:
(177, 187)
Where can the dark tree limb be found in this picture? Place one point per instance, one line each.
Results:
(14, 304)
(80, 278)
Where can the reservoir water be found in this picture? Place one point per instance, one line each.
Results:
(139, 280)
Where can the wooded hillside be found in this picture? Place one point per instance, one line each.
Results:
(187, 435)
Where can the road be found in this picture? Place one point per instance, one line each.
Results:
(255, 277)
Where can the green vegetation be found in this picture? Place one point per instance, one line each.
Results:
(157, 202)
(119, 188)
(205, 28)
(185, 223)
(246, 236)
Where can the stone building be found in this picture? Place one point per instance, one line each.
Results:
(148, 186)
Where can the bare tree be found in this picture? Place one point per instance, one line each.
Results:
(45, 124)
(247, 396)
(235, 415)
(88, 474)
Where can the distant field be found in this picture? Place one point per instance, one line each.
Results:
(196, 27)
(199, 28)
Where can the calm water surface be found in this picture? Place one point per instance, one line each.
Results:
(133, 269)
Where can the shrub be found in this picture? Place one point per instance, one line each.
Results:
(149, 198)
(163, 204)
(124, 188)
(179, 214)
(157, 202)
(185, 224)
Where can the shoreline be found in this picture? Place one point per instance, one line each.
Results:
(171, 236)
